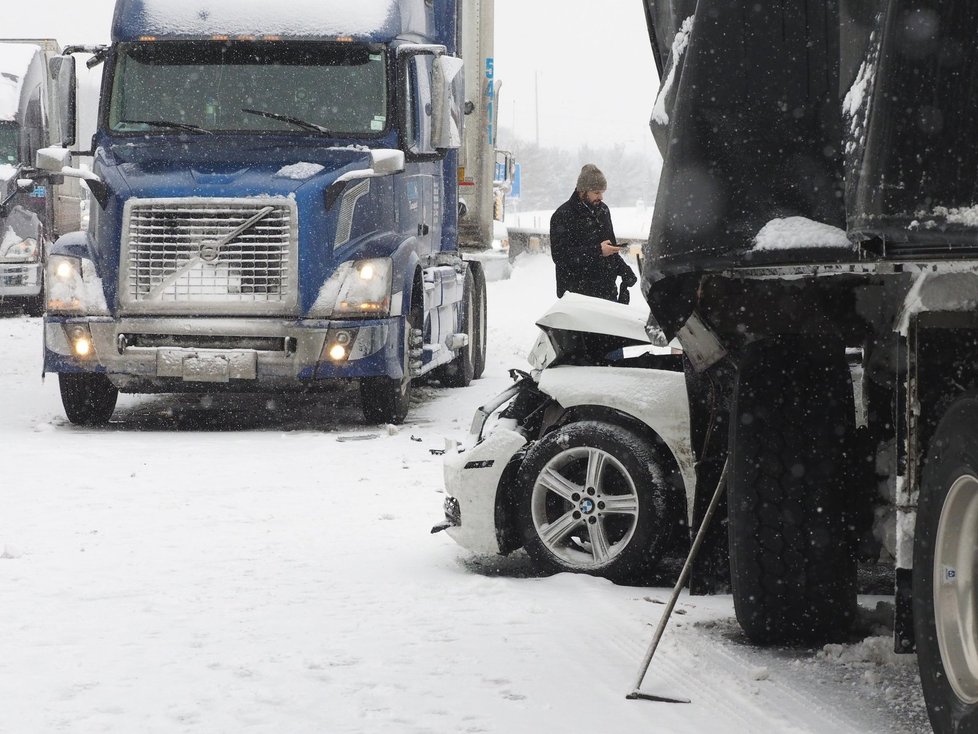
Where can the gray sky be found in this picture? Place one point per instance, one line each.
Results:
(572, 71)
(579, 71)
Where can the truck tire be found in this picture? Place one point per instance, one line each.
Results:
(385, 399)
(945, 569)
(34, 305)
(461, 370)
(480, 327)
(593, 502)
(88, 397)
(792, 565)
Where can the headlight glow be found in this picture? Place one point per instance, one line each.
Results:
(65, 269)
(366, 291)
(80, 339)
(73, 286)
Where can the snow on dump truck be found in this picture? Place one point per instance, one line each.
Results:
(817, 207)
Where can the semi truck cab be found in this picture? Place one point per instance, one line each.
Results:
(275, 207)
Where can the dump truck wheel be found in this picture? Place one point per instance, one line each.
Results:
(944, 572)
(793, 569)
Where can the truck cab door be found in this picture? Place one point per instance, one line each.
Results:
(421, 208)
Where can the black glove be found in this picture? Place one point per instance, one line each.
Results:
(623, 296)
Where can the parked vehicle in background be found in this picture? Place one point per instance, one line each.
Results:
(832, 213)
(276, 204)
(586, 461)
(34, 209)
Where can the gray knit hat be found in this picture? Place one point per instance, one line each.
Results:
(591, 179)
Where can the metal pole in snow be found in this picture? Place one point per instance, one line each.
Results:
(683, 576)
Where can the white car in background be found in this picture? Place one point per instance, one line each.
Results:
(586, 461)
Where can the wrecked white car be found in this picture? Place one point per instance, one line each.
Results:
(585, 462)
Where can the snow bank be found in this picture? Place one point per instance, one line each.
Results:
(798, 232)
(15, 58)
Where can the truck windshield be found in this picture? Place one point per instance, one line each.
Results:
(8, 144)
(335, 87)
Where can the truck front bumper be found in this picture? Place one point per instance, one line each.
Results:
(170, 354)
(20, 280)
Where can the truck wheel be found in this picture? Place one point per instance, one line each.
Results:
(594, 502)
(34, 306)
(944, 572)
(88, 397)
(460, 371)
(792, 565)
(480, 326)
(387, 400)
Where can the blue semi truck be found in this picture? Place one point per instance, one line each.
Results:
(276, 203)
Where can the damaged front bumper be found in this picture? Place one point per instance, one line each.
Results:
(472, 481)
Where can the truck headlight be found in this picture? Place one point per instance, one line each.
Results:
(73, 287)
(20, 250)
(357, 289)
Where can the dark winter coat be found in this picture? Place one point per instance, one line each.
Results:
(576, 233)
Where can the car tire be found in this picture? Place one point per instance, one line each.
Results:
(945, 570)
(792, 564)
(88, 398)
(593, 501)
(385, 399)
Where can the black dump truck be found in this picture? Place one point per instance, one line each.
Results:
(815, 249)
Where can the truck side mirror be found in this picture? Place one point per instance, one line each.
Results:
(53, 159)
(448, 102)
(62, 72)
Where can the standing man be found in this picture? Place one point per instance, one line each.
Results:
(583, 244)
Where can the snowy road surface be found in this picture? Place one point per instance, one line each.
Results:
(265, 565)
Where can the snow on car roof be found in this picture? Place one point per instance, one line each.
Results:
(299, 18)
(574, 312)
(15, 58)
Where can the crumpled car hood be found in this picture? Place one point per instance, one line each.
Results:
(574, 312)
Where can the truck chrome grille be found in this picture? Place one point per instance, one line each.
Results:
(209, 255)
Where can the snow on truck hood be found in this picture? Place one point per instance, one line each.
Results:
(304, 19)
(574, 312)
(147, 170)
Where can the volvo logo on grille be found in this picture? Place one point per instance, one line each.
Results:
(210, 251)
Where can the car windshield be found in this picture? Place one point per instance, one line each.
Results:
(8, 145)
(173, 87)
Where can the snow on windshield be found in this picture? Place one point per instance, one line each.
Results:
(798, 232)
(15, 58)
(679, 43)
(304, 18)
